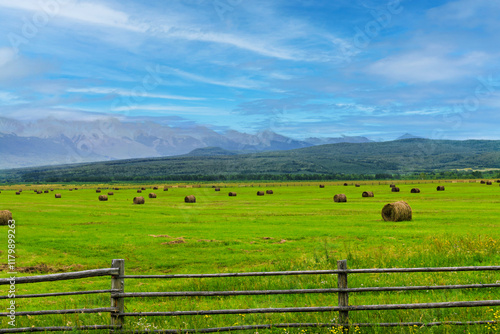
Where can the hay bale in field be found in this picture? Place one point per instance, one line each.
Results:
(18, 193)
(367, 194)
(217, 189)
(76, 188)
(321, 185)
(57, 195)
(139, 200)
(395, 189)
(70, 189)
(98, 190)
(483, 181)
(5, 216)
(20, 190)
(260, 193)
(39, 192)
(415, 190)
(345, 184)
(440, 188)
(155, 188)
(111, 193)
(139, 191)
(103, 198)
(165, 189)
(152, 195)
(190, 199)
(45, 191)
(270, 192)
(392, 185)
(51, 189)
(143, 188)
(340, 198)
(357, 185)
(232, 193)
(397, 211)
(498, 181)
(489, 183)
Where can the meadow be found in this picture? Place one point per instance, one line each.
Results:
(299, 227)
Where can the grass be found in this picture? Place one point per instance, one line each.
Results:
(299, 227)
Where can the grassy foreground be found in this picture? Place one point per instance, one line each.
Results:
(299, 227)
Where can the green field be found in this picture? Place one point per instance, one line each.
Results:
(299, 227)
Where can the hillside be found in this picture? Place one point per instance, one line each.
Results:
(400, 156)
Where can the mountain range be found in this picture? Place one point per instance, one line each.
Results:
(52, 141)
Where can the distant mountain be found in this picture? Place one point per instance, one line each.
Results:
(399, 156)
(407, 136)
(52, 141)
(336, 140)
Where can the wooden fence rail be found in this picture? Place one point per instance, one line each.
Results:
(118, 296)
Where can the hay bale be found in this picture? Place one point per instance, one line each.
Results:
(340, 198)
(46, 192)
(152, 195)
(165, 188)
(39, 192)
(498, 181)
(18, 193)
(139, 191)
(357, 185)
(483, 181)
(190, 199)
(415, 190)
(57, 195)
(489, 183)
(392, 185)
(321, 185)
(139, 200)
(111, 193)
(98, 190)
(70, 189)
(5, 216)
(367, 194)
(143, 188)
(232, 193)
(155, 188)
(270, 192)
(217, 189)
(440, 188)
(103, 198)
(260, 193)
(396, 212)
(20, 190)
(345, 184)
(395, 189)
(51, 189)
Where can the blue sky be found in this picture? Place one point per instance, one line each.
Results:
(301, 68)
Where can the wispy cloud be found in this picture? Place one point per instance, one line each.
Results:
(132, 93)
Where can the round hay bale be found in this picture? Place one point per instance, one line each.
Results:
(190, 199)
(340, 198)
(57, 195)
(143, 188)
(20, 190)
(155, 188)
(103, 198)
(440, 188)
(392, 185)
(139, 200)
(152, 195)
(395, 189)
(51, 189)
(76, 188)
(489, 183)
(98, 190)
(18, 193)
(5, 216)
(396, 212)
(270, 192)
(39, 192)
(232, 193)
(260, 193)
(46, 192)
(165, 189)
(321, 185)
(367, 194)
(415, 190)
(217, 189)
(345, 184)
(483, 181)
(139, 191)
(111, 193)
(70, 189)
(498, 181)
(357, 185)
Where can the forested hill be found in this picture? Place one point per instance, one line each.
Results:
(394, 157)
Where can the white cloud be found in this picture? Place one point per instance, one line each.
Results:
(176, 109)
(135, 93)
(6, 56)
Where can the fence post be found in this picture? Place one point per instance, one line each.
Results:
(343, 296)
(118, 282)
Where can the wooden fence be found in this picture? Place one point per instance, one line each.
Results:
(118, 296)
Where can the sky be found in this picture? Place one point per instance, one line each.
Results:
(300, 68)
